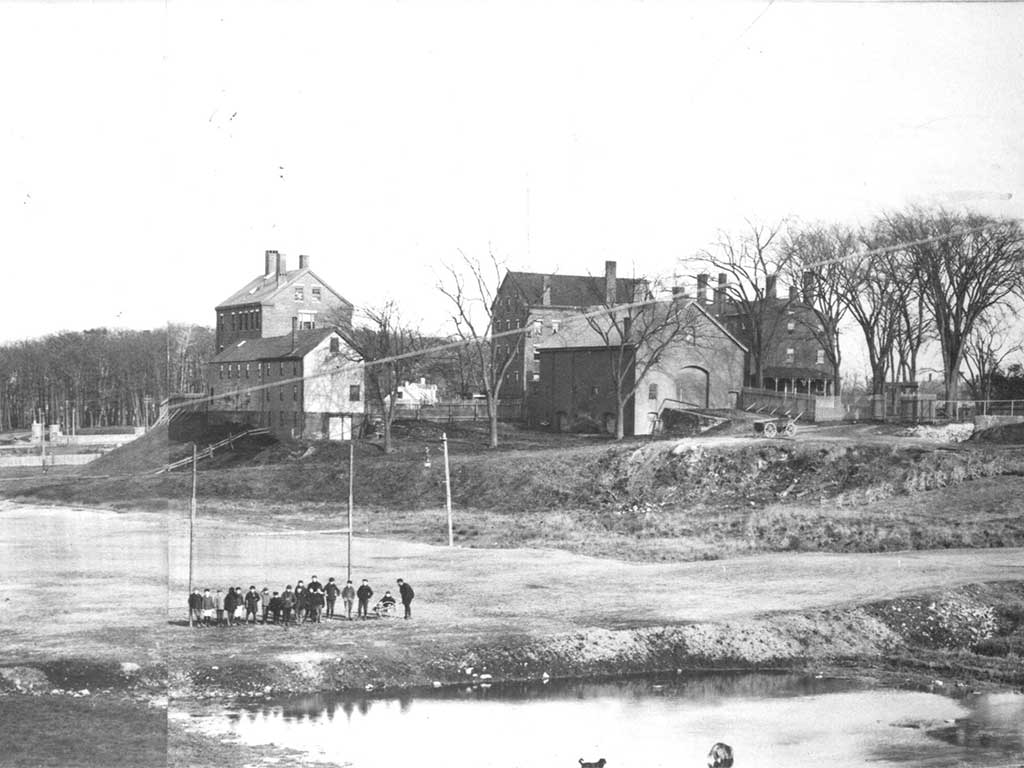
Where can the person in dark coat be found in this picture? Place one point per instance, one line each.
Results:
(405, 590)
(314, 583)
(288, 604)
(331, 592)
(301, 601)
(252, 604)
(316, 604)
(195, 607)
(364, 593)
(209, 607)
(230, 604)
(274, 606)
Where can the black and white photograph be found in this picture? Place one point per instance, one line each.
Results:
(572, 384)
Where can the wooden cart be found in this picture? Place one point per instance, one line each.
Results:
(783, 425)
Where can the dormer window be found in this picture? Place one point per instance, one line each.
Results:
(299, 293)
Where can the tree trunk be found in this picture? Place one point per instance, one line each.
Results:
(620, 419)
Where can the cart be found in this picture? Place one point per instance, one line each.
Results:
(782, 425)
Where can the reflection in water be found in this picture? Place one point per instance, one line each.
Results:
(770, 720)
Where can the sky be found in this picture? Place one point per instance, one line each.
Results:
(151, 152)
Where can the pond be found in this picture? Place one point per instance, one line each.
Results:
(769, 719)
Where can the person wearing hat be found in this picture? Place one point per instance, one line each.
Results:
(195, 607)
(331, 592)
(405, 590)
(348, 596)
(209, 607)
(364, 593)
(252, 604)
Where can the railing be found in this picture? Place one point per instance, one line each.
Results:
(768, 402)
(207, 452)
(968, 409)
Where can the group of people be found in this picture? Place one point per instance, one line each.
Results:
(305, 602)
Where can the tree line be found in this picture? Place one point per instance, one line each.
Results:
(100, 377)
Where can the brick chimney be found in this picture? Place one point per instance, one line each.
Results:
(723, 281)
(769, 287)
(295, 332)
(808, 280)
(270, 267)
(303, 261)
(609, 283)
(282, 263)
(702, 287)
(545, 291)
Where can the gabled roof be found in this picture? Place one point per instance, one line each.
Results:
(718, 324)
(273, 348)
(570, 290)
(263, 288)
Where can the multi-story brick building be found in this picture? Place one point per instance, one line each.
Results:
(264, 307)
(796, 358)
(540, 305)
(296, 375)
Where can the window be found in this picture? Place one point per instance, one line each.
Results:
(554, 326)
(258, 317)
(307, 320)
(316, 293)
(280, 366)
(595, 391)
(791, 326)
(652, 392)
(536, 356)
(247, 370)
(234, 321)
(280, 393)
(295, 369)
(221, 371)
(295, 393)
(335, 344)
(790, 353)
(353, 393)
(820, 359)
(299, 293)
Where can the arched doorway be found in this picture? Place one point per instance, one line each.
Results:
(693, 385)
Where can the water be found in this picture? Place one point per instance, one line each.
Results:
(770, 720)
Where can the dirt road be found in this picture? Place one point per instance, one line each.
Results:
(117, 581)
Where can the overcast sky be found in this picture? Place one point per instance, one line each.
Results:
(151, 152)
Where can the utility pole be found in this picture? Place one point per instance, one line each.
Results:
(351, 466)
(191, 524)
(42, 439)
(447, 489)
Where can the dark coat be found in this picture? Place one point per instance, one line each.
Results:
(406, 591)
(332, 591)
(230, 601)
(364, 592)
(314, 585)
(195, 601)
(252, 599)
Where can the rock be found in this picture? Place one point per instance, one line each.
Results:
(129, 668)
(23, 679)
(469, 670)
(437, 683)
(84, 692)
(214, 668)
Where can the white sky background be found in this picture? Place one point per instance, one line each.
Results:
(151, 152)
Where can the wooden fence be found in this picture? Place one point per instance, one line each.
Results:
(475, 410)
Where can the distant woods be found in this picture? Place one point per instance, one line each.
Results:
(100, 377)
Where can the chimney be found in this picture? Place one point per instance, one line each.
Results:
(808, 279)
(679, 292)
(282, 263)
(702, 287)
(303, 262)
(769, 287)
(295, 332)
(609, 283)
(794, 293)
(270, 267)
(545, 297)
(723, 280)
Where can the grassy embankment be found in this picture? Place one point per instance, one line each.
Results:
(637, 499)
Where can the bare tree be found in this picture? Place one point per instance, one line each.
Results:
(751, 264)
(389, 349)
(638, 335)
(993, 340)
(472, 293)
(964, 264)
(815, 261)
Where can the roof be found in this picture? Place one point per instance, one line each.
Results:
(274, 347)
(570, 290)
(264, 287)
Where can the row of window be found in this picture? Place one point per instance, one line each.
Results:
(300, 293)
(241, 370)
(819, 357)
(354, 394)
(243, 320)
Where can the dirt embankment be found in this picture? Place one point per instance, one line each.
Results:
(970, 636)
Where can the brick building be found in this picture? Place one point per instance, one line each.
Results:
(795, 359)
(701, 367)
(540, 304)
(264, 307)
(281, 363)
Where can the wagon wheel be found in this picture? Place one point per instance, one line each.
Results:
(770, 429)
(790, 429)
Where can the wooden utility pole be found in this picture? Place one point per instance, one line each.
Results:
(351, 466)
(447, 489)
(191, 524)
(42, 439)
